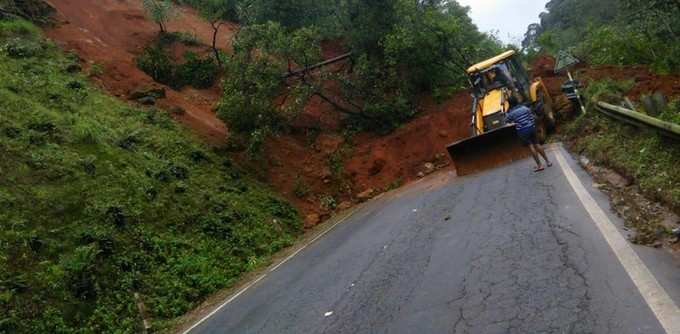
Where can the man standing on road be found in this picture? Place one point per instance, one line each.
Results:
(525, 123)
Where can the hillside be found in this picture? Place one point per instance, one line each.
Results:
(102, 200)
(302, 164)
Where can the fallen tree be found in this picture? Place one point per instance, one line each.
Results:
(311, 68)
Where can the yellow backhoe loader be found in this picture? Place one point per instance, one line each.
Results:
(492, 141)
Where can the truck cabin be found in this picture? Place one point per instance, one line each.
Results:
(503, 71)
(490, 79)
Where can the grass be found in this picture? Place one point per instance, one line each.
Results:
(100, 200)
(642, 154)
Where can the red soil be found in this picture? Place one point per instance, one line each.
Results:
(645, 81)
(381, 160)
(110, 33)
(373, 162)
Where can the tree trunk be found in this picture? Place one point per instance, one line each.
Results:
(216, 29)
(315, 66)
(339, 107)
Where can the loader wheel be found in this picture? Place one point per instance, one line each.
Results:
(473, 131)
(541, 130)
(548, 114)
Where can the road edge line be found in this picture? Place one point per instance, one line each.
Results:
(656, 297)
(268, 271)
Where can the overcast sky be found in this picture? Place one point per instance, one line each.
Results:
(509, 17)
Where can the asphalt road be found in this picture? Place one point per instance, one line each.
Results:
(504, 251)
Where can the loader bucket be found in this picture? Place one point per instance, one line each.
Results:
(488, 150)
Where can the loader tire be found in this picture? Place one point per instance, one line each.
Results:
(541, 130)
(548, 114)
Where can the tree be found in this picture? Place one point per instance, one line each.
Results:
(160, 11)
(257, 100)
(399, 50)
(216, 12)
(530, 41)
(611, 31)
(660, 15)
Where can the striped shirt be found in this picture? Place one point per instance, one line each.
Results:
(522, 116)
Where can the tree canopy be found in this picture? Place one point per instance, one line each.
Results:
(400, 49)
(611, 31)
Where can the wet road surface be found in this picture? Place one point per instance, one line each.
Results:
(504, 251)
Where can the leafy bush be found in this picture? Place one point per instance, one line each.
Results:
(18, 28)
(194, 71)
(300, 189)
(34, 10)
(672, 112)
(625, 46)
(197, 72)
(155, 62)
(607, 90)
(328, 202)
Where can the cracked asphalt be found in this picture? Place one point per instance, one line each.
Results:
(504, 251)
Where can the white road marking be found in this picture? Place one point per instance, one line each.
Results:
(654, 294)
(251, 284)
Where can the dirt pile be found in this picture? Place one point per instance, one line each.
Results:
(321, 172)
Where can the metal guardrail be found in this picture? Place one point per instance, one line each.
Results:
(635, 118)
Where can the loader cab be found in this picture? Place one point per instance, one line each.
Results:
(503, 71)
(493, 82)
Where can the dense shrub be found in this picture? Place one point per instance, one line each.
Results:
(155, 62)
(194, 71)
(34, 10)
(626, 45)
(17, 28)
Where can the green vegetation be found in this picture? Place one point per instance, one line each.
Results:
(620, 32)
(400, 50)
(160, 11)
(33, 10)
(100, 200)
(300, 189)
(650, 159)
(196, 71)
(250, 105)
(216, 12)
